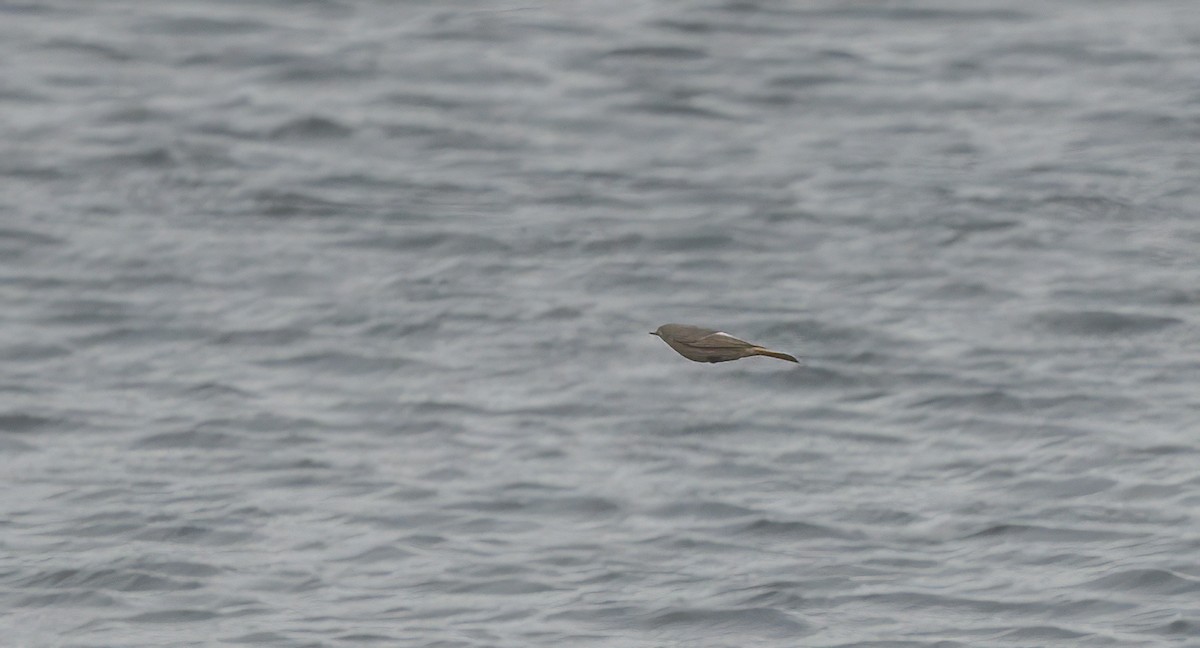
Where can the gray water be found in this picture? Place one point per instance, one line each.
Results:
(324, 323)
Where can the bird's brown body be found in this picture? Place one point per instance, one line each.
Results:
(707, 345)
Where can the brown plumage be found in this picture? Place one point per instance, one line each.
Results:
(707, 345)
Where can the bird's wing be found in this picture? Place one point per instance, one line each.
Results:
(720, 340)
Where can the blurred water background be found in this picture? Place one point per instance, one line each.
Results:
(324, 323)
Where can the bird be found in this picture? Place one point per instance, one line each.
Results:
(706, 345)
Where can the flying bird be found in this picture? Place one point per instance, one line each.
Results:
(707, 345)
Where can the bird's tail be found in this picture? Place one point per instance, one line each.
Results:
(773, 354)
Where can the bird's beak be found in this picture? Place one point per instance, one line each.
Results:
(653, 333)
